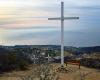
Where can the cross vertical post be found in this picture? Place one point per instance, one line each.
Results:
(62, 33)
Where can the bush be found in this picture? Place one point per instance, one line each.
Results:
(22, 64)
(89, 62)
(13, 61)
(42, 72)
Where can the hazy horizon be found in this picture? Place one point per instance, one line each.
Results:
(25, 22)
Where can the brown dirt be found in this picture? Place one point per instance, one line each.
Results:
(73, 73)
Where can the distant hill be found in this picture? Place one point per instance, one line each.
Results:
(75, 50)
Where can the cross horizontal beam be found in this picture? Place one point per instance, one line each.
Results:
(65, 18)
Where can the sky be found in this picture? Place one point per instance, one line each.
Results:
(25, 22)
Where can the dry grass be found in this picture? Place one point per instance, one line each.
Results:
(45, 72)
(36, 72)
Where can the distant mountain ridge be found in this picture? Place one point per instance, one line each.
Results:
(57, 47)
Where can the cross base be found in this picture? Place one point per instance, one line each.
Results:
(62, 69)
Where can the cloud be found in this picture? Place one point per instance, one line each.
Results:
(26, 22)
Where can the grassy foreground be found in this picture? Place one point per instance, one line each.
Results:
(48, 72)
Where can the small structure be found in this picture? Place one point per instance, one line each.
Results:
(73, 62)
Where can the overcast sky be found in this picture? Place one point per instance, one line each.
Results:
(25, 22)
